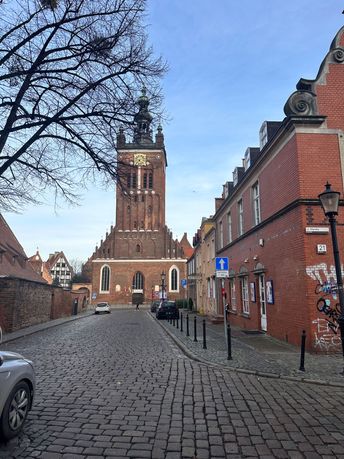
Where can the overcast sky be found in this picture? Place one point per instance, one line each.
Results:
(232, 65)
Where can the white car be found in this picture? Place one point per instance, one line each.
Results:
(17, 383)
(102, 307)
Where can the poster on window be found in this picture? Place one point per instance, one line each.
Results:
(269, 292)
(253, 292)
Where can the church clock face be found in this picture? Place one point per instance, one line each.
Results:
(140, 159)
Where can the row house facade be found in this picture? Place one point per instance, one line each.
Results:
(270, 224)
(56, 270)
(201, 270)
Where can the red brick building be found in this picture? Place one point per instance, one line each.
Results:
(269, 221)
(140, 247)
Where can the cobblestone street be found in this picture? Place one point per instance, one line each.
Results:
(117, 386)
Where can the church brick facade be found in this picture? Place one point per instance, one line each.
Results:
(139, 251)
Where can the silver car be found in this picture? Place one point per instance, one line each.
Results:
(17, 386)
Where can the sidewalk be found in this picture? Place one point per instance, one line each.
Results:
(254, 353)
(6, 337)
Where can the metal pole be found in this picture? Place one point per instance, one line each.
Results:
(303, 347)
(195, 329)
(204, 336)
(340, 319)
(187, 325)
(181, 322)
(229, 343)
(177, 321)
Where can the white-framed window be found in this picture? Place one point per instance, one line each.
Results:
(244, 295)
(212, 249)
(105, 279)
(174, 279)
(220, 235)
(229, 227)
(213, 287)
(232, 293)
(256, 203)
(240, 217)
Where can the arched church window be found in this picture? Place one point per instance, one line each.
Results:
(138, 248)
(145, 180)
(174, 279)
(105, 279)
(149, 210)
(133, 180)
(135, 224)
(150, 180)
(128, 209)
(142, 224)
(138, 281)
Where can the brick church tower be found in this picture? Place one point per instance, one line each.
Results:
(140, 249)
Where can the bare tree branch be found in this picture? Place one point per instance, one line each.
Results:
(70, 73)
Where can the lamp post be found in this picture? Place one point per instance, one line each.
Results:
(329, 201)
(163, 278)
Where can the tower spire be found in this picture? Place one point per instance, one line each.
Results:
(142, 120)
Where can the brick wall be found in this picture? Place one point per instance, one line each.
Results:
(24, 303)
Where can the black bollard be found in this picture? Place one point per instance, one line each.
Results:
(195, 329)
(229, 343)
(181, 322)
(303, 348)
(204, 336)
(187, 325)
(177, 320)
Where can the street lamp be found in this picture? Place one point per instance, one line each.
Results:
(163, 278)
(330, 200)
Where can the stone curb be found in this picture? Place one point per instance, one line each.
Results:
(261, 374)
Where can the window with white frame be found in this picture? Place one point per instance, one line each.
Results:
(256, 203)
(244, 295)
(213, 287)
(220, 235)
(105, 279)
(174, 279)
(233, 294)
(240, 217)
(229, 227)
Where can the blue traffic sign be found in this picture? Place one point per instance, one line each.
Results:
(221, 263)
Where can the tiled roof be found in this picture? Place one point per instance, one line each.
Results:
(13, 260)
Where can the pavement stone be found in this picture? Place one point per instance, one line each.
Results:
(259, 354)
(119, 386)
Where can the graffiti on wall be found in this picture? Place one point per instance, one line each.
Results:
(326, 330)
(324, 339)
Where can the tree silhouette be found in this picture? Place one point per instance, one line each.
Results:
(70, 73)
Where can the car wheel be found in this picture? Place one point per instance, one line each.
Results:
(15, 411)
